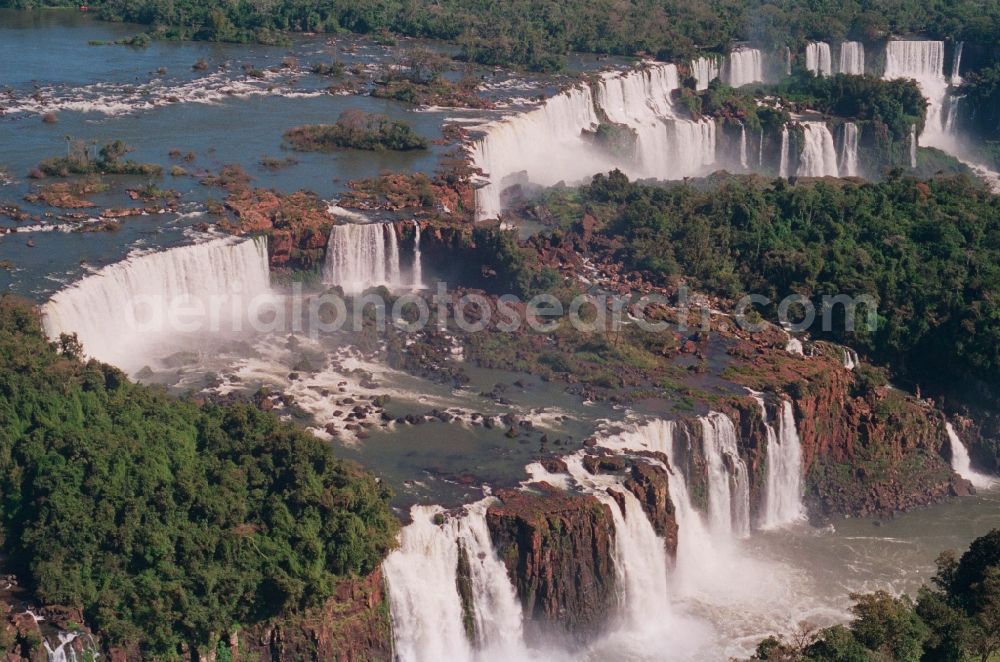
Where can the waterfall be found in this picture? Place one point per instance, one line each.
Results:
(788, 61)
(63, 652)
(744, 66)
(852, 58)
(728, 481)
(783, 169)
(794, 346)
(818, 59)
(922, 61)
(961, 463)
(783, 496)
(760, 150)
(913, 146)
(427, 612)
(551, 143)
(704, 70)
(956, 64)
(545, 144)
(647, 620)
(418, 260)
(126, 308)
(819, 156)
(691, 147)
(362, 255)
(849, 151)
(744, 159)
(851, 360)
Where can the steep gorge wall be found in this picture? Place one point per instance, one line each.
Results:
(558, 551)
(352, 626)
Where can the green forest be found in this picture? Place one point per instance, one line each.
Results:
(537, 35)
(929, 252)
(168, 523)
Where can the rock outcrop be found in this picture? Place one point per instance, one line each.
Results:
(558, 549)
(352, 625)
(650, 485)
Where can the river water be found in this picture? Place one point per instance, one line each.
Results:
(155, 101)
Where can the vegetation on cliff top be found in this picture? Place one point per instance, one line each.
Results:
(926, 251)
(356, 129)
(958, 618)
(166, 522)
(895, 105)
(536, 35)
(108, 161)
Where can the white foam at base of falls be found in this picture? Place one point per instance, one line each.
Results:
(961, 463)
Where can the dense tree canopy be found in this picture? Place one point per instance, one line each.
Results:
(536, 34)
(166, 522)
(928, 252)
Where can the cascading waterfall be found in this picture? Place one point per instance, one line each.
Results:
(849, 151)
(851, 359)
(418, 260)
(63, 652)
(818, 58)
(794, 346)
(728, 479)
(760, 150)
(923, 61)
(852, 58)
(126, 308)
(961, 463)
(744, 66)
(704, 70)
(545, 144)
(427, 612)
(744, 159)
(641, 565)
(550, 143)
(363, 255)
(783, 496)
(783, 168)
(819, 156)
(691, 146)
(956, 64)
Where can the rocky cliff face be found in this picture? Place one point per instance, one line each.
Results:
(297, 225)
(650, 483)
(558, 550)
(351, 626)
(865, 449)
